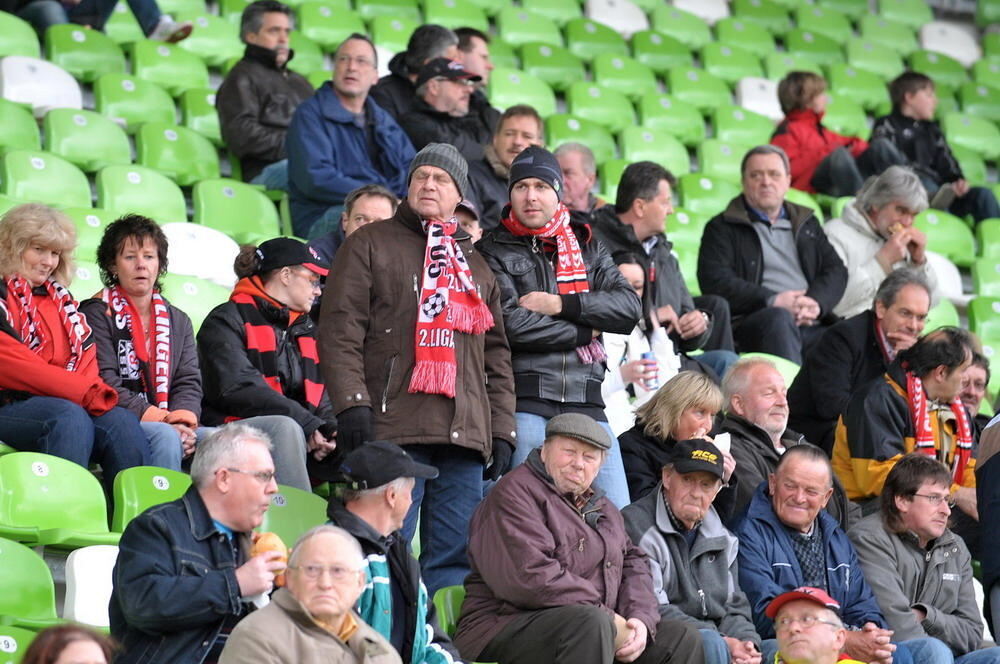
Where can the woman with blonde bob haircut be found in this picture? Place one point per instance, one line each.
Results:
(684, 408)
(52, 399)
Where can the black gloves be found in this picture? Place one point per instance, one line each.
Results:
(328, 429)
(355, 426)
(502, 454)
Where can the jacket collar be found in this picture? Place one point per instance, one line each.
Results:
(757, 436)
(804, 115)
(202, 525)
(334, 111)
(493, 161)
(362, 531)
(856, 220)
(738, 212)
(406, 216)
(287, 603)
(266, 56)
(710, 529)
(607, 220)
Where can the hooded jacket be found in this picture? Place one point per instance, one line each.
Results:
(425, 124)
(395, 92)
(488, 187)
(924, 146)
(807, 142)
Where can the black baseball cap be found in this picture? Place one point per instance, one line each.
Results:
(445, 68)
(379, 462)
(690, 456)
(284, 251)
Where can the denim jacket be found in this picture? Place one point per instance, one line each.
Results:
(174, 584)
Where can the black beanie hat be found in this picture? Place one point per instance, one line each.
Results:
(536, 162)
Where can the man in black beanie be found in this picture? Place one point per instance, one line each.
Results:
(413, 349)
(559, 290)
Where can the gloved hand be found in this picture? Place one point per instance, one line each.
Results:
(355, 426)
(503, 452)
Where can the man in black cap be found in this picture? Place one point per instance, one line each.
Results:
(379, 478)
(560, 290)
(693, 554)
(441, 111)
(413, 350)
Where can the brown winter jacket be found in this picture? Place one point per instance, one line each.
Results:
(367, 341)
(530, 548)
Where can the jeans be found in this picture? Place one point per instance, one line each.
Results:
(716, 650)
(978, 202)
(61, 428)
(327, 222)
(445, 505)
(718, 361)
(274, 176)
(96, 13)
(611, 477)
(984, 656)
(840, 174)
(773, 330)
(165, 446)
(926, 650)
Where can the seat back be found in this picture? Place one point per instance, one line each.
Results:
(86, 139)
(125, 189)
(181, 154)
(824, 21)
(552, 64)
(326, 25)
(623, 75)
(237, 209)
(28, 591)
(201, 251)
(19, 37)
(213, 38)
(86, 54)
(448, 605)
(292, 513)
(660, 52)
(86, 280)
(89, 584)
(623, 16)
(131, 101)
(814, 45)
(705, 196)
(698, 88)
(518, 26)
(18, 129)
(14, 641)
(563, 128)
(194, 296)
(788, 369)
(200, 115)
(90, 224)
(170, 67)
(876, 56)
(641, 144)
(589, 101)
(587, 38)
(508, 87)
(664, 113)
(308, 55)
(946, 71)
(949, 235)
(690, 30)
(953, 40)
(30, 175)
(741, 126)
(39, 84)
(138, 488)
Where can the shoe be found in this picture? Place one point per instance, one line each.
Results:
(169, 30)
(944, 197)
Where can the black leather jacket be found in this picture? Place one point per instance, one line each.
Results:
(543, 348)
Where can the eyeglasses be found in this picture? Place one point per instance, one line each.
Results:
(361, 61)
(805, 621)
(337, 572)
(262, 476)
(310, 276)
(935, 499)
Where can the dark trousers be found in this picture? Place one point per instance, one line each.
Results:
(978, 202)
(721, 336)
(580, 634)
(840, 174)
(773, 330)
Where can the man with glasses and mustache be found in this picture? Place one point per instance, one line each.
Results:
(184, 575)
(920, 571)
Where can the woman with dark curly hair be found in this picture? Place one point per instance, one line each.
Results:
(69, 644)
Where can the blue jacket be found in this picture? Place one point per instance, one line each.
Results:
(328, 155)
(174, 584)
(768, 566)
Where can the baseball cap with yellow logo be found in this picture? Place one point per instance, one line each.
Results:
(690, 456)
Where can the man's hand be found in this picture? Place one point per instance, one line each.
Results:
(668, 318)
(541, 303)
(256, 575)
(728, 466)
(786, 299)
(920, 614)
(961, 187)
(806, 310)
(965, 500)
(188, 438)
(900, 340)
(636, 643)
(742, 652)
(320, 445)
(871, 644)
(692, 324)
(622, 631)
(917, 245)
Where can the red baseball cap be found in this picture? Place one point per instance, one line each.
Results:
(814, 595)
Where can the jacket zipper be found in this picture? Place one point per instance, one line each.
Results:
(704, 608)
(388, 382)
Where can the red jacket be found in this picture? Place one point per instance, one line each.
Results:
(807, 142)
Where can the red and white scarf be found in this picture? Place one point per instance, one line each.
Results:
(134, 354)
(73, 322)
(449, 303)
(571, 272)
(920, 411)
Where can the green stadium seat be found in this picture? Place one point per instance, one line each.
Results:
(972, 164)
(610, 172)
(948, 235)
(18, 129)
(987, 13)
(984, 317)
(988, 238)
(730, 63)
(508, 87)
(122, 27)
(641, 144)
(897, 36)
(178, 152)
(587, 39)
(845, 117)
(239, 210)
(660, 52)
(991, 44)
(326, 25)
(139, 488)
(805, 199)
(170, 67)
(90, 224)
(746, 34)
(863, 87)
(124, 189)
(698, 88)
(778, 64)
(941, 314)
(663, 112)
(947, 102)
(19, 37)
(213, 39)
(987, 71)
(819, 47)
(448, 606)
(563, 128)
(14, 642)
(318, 78)
(720, 159)
(788, 369)
(86, 280)
(554, 65)
(825, 21)
(232, 10)
(683, 226)
(770, 15)
(943, 69)
(178, 7)
(199, 113)
(84, 53)
(393, 32)
(986, 277)
(518, 26)
(622, 74)
(837, 209)
(705, 196)
(308, 55)
(6, 203)
(873, 56)
(131, 101)
(36, 176)
(685, 27)
(455, 14)
(980, 100)
(913, 13)
(86, 139)
(605, 107)
(408, 9)
(50, 501)
(976, 134)
(29, 597)
(502, 54)
(560, 11)
(195, 297)
(293, 512)
(852, 9)
(739, 126)
(685, 249)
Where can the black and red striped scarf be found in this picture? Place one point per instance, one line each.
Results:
(32, 334)
(132, 348)
(262, 345)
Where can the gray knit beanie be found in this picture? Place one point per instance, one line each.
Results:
(446, 157)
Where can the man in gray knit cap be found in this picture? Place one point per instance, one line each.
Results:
(413, 349)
